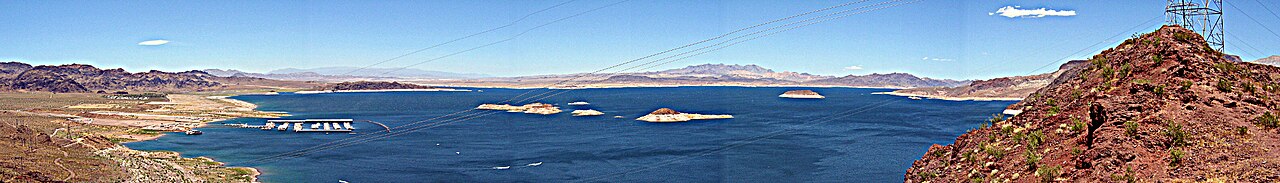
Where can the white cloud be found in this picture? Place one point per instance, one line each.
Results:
(1017, 12)
(938, 59)
(853, 68)
(157, 42)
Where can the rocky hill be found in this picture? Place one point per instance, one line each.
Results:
(892, 80)
(1016, 87)
(80, 78)
(86, 78)
(1162, 107)
(1273, 60)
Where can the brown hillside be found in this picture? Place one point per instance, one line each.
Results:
(1161, 107)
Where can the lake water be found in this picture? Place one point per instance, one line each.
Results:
(771, 139)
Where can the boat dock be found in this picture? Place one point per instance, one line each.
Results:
(309, 125)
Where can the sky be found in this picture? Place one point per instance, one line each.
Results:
(931, 38)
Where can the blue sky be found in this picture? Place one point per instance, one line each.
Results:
(933, 38)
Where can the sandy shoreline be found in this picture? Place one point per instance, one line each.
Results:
(895, 93)
(239, 105)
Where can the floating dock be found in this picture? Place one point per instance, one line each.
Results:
(312, 125)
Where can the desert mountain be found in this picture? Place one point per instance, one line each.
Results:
(1273, 60)
(891, 80)
(715, 74)
(80, 78)
(406, 73)
(1162, 107)
(1015, 87)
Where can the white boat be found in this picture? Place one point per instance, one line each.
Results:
(337, 126)
(534, 164)
(914, 98)
(194, 132)
(579, 103)
(268, 125)
(315, 126)
(282, 127)
(348, 126)
(501, 167)
(297, 126)
(326, 126)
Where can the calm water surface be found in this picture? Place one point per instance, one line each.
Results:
(771, 140)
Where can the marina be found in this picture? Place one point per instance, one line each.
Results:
(311, 125)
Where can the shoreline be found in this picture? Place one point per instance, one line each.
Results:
(254, 172)
(895, 93)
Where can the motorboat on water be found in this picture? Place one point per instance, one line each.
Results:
(579, 103)
(193, 132)
(914, 98)
(501, 167)
(534, 164)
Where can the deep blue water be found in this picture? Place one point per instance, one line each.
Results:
(771, 140)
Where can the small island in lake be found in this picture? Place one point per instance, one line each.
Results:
(802, 94)
(666, 115)
(587, 112)
(532, 108)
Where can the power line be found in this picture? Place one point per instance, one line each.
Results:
(483, 114)
(1264, 26)
(461, 38)
(1264, 6)
(1246, 44)
(507, 39)
(477, 115)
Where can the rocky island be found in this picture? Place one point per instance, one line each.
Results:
(666, 115)
(801, 94)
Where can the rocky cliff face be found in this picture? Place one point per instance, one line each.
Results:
(1162, 107)
(86, 78)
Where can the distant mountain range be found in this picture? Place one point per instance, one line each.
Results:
(15, 76)
(1273, 60)
(711, 74)
(1011, 88)
(335, 74)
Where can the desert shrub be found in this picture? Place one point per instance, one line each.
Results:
(1141, 81)
(1054, 110)
(1176, 156)
(1047, 173)
(1227, 67)
(994, 151)
(1267, 120)
(967, 156)
(1099, 62)
(1184, 37)
(1242, 130)
(996, 118)
(1177, 137)
(1031, 158)
(1225, 85)
(1077, 125)
(1034, 139)
(1159, 91)
(1131, 128)
(1186, 85)
(1076, 151)
(1157, 59)
(1247, 87)
(1124, 70)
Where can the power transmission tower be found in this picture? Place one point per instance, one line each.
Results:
(1201, 16)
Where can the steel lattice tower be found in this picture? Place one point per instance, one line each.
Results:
(1201, 16)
